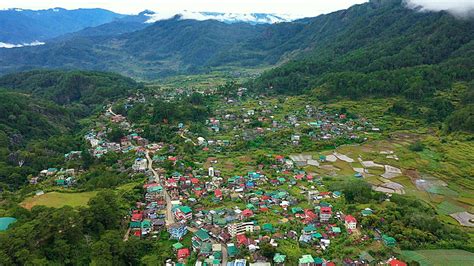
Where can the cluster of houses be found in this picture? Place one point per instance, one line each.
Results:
(235, 227)
(149, 216)
(312, 123)
(60, 177)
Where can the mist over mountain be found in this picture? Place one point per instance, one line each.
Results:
(251, 18)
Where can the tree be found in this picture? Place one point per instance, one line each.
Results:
(104, 212)
(116, 133)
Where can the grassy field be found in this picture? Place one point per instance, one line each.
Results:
(440, 257)
(58, 199)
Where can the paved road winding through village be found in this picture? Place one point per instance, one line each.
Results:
(169, 218)
(169, 214)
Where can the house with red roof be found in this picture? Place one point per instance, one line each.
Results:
(325, 194)
(183, 253)
(395, 262)
(350, 222)
(137, 216)
(325, 214)
(171, 183)
(242, 240)
(280, 158)
(299, 176)
(218, 193)
(247, 213)
(309, 216)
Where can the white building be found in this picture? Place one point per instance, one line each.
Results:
(350, 222)
(140, 165)
(211, 172)
(240, 228)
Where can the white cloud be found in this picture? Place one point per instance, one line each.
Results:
(224, 17)
(10, 45)
(456, 7)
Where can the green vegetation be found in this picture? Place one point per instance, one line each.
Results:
(59, 199)
(387, 88)
(439, 257)
(68, 87)
(61, 234)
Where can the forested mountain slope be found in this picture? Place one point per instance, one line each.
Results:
(66, 87)
(376, 36)
(25, 26)
(40, 113)
(373, 48)
(383, 49)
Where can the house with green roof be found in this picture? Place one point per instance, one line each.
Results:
(146, 224)
(306, 260)
(279, 259)
(268, 228)
(202, 235)
(366, 212)
(232, 250)
(183, 213)
(205, 248)
(296, 210)
(177, 246)
(318, 261)
(389, 241)
(309, 229)
(250, 206)
(135, 224)
(154, 189)
(317, 235)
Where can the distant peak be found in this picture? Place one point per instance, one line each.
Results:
(146, 12)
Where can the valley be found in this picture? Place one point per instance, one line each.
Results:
(229, 151)
(341, 139)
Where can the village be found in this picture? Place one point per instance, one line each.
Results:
(277, 211)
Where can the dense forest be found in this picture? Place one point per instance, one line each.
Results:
(388, 50)
(68, 236)
(67, 87)
(33, 134)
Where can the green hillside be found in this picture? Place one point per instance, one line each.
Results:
(66, 87)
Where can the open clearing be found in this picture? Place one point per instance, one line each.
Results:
(439, 257)
(58, 199)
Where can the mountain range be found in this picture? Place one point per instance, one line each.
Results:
(19, 26)
(380, 34)
(22, 27)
